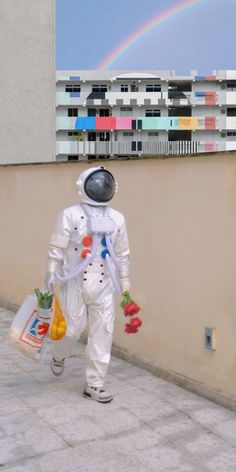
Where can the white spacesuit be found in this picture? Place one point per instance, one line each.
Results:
(89, 255)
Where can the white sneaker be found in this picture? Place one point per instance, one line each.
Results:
(57, 367)
(97, 394)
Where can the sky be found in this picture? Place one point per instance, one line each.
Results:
(201, 37)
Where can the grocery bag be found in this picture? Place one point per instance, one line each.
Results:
(29, 328)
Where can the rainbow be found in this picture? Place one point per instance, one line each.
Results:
(146, 28)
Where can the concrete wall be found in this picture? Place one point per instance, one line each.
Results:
(181, 217)
(27, 37)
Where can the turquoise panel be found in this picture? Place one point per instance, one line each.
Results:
(85, 122)
(161, 123)
(149, 123)
(173, 122)
(63, 122)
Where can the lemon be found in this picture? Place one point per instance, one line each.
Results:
(60, 332)
(53, 333)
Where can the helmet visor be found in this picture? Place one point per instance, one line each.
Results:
(100, 186)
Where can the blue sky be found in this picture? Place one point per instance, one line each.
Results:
(202, 37)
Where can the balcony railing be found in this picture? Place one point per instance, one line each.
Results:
(139, 148)
(143, 123)
(218, 97)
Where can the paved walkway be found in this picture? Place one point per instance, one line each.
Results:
(152, 425)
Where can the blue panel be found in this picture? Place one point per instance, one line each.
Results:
(74, 94)
(200, 77)
(79, 123)
(199, 94)
(74, 77)
(85, 122)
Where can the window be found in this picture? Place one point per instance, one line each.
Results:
(72, 88)
(91, 111)
(153, 133)
(153, 88)
(124, 88)
(128, 133)
(73, 157)
(126, 109)
(134, 88)
(231, 87)
(136, 146)
(231, 111)
(231, 133)
(104, 136)
(72, 111)
(99, 88)
(74, 133)
(104, 112)
(91, 136)
(152, 112)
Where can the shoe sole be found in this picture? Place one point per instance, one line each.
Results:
(57, 374)
(89, 397)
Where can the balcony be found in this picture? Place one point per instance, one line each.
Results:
(97, 148)
(142, 123)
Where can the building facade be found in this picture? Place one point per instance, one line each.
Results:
(107, 114)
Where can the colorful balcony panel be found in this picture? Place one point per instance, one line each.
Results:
(85, 123)
(74, 77)
(210, 122)
(188, 123)
(205, 77)
(124, 123)
(210, 97)
(106, 123)
(143, 123)
(210, 146)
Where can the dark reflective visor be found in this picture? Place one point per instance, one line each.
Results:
(100, 186)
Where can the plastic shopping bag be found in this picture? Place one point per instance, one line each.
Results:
(29, 328)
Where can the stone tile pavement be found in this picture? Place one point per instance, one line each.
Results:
(151, 425)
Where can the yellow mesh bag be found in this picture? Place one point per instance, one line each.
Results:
(58, 326)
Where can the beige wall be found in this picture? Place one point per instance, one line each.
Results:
(27, 123)
(181, 217)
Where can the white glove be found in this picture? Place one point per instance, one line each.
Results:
(125, 284)
(49, 281)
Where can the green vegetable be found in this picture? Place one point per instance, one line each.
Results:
(45, 299)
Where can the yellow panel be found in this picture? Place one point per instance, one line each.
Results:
(188, 122)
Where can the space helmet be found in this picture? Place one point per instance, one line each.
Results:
(96, 186)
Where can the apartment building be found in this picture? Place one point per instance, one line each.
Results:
(107, 114)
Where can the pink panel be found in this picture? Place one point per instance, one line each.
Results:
(210, 122)
(210, 77)
(210, 146)
(124, 122)
(106, 123)
(210, 98)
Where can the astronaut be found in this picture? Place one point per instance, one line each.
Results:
(88, 262)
